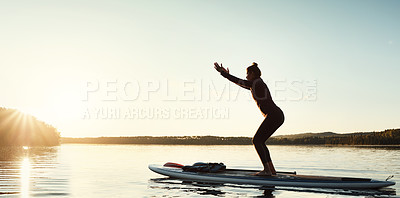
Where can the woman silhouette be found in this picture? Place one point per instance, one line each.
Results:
(274, 117)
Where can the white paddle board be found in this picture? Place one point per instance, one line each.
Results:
(238, 176)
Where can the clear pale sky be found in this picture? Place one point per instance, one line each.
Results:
(330, 65)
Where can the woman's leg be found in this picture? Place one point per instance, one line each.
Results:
(270, 124)
(259, 143)
(272, 168)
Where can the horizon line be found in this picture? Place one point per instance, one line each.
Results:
(233, 136)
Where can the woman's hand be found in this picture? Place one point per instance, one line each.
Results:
(220, 68)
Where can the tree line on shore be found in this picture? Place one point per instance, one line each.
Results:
(20, 129)
(387, 137)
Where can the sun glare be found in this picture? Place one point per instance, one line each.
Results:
(25, 177)
(61, 108)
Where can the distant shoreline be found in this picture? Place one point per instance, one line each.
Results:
(387, 138)
(326, 145)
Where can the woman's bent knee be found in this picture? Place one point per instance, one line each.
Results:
(257, 141)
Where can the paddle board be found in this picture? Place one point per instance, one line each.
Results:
(242, 176)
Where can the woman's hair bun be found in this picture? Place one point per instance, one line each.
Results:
(254, 68)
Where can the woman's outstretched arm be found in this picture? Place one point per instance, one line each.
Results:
(225, 73)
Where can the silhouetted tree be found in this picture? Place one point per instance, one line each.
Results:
(19, 129)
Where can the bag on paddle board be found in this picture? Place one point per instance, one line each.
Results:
(205, 167)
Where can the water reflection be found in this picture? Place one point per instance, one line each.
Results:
(25, 177)
(206, 188)
(26, 171)
(202, 188)
(187, 186)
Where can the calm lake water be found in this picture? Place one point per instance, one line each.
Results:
(82, 170)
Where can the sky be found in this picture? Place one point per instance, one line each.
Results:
(133, 68)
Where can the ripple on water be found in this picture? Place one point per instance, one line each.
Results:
(26, 172)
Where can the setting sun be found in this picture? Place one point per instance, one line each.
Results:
(17, 128)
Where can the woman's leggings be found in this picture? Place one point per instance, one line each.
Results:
(271, 123)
